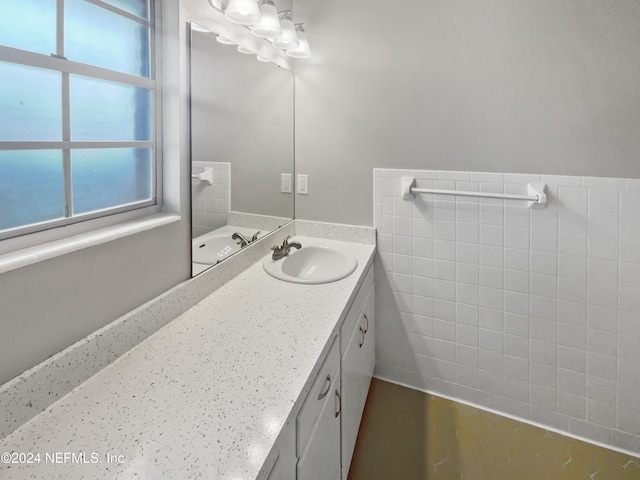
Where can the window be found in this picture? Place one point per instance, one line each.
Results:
(77, 102)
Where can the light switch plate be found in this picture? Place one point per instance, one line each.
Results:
(303, 184)
(285, 183)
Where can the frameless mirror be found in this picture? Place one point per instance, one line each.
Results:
(241, 145)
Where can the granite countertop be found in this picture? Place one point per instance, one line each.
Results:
(204, 397)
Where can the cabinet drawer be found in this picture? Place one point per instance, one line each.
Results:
(354, 312)
(322, 388)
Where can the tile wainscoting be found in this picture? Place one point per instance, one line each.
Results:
(534, 313)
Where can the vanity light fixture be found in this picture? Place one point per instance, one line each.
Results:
(289, 38)
(243, 12)
(224, 41)
(262, 18)
(269, 26)
(302, 50)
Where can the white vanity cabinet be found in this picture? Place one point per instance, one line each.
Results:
(328, 422)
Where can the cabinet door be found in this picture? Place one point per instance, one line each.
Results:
(321, 458)
(277, 472)
(358, 363)
(285, 466)
(322, 388)
(369, 322)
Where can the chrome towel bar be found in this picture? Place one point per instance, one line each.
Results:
(536, 197)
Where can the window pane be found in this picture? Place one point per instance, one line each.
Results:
(137, 7)
(28, 25)
(99, 37)
(108, 111)
(30, 104)
(31, 187)
(110, 177)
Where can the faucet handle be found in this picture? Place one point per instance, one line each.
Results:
(285, 244)
(255, 236)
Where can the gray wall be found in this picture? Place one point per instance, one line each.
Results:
(547, 86)
(50, 305)
(242, 113)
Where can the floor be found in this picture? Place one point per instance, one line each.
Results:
(410, 435)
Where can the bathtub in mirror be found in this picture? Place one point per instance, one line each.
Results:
(241, 144)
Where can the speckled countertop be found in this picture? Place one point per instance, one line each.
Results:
(205, 396)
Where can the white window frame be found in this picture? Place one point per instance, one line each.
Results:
(48, 231)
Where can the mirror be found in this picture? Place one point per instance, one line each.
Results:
(241, 144)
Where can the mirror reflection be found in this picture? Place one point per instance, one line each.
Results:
(241, 147)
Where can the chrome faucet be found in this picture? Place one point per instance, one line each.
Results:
(243, 242)
(255, 236)
(283, 250)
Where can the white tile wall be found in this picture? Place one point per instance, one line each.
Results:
(210, 203)
(532, 312)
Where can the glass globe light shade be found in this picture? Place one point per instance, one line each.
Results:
(302, 50)
(289, 37)
(243, 12)
(224, 41)
(269, 26)
(242, 49)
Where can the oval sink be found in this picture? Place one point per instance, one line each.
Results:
(312, 265)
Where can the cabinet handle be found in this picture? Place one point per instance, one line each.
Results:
(324, 394)
(339, 411)
(366, 319)
(362, 333)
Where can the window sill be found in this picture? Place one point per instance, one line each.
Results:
(31, 255)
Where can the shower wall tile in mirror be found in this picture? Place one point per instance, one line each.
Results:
(531, 312)
(241, 144)
(210, 196)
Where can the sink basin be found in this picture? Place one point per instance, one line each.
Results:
(312, 265)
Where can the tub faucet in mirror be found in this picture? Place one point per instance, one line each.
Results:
(242, 240)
